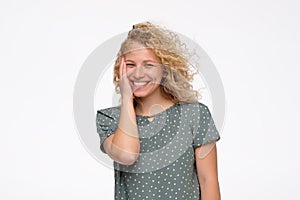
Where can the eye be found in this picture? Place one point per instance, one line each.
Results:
(148, 65)
(130, 65)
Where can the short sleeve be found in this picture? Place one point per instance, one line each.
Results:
(204, 129)
(107, 123)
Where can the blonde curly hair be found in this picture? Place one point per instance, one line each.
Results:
(173, 54)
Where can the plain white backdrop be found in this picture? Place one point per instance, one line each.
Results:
(254, 44)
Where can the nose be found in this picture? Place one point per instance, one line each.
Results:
(138, 72)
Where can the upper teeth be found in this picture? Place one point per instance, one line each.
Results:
(139, 83)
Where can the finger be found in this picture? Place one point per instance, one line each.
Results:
(120, 68)
(124, 67)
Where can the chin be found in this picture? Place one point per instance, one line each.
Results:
(140, 94)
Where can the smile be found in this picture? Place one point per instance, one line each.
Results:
(140, 83)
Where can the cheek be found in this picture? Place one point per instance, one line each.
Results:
(157, 76)
(129, 71)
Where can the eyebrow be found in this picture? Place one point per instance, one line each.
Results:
(143, 61)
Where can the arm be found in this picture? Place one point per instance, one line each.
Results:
(206, 162)
(124, 145)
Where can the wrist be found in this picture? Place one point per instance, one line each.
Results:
(127, 101)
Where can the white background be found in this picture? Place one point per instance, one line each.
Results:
(254, 45)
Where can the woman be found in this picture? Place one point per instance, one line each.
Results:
(162, 140)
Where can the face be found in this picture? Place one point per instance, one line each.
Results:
(144, 71)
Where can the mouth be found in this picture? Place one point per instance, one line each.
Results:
(140, 83)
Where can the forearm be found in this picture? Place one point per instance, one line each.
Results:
(126, 143)
(210, 190)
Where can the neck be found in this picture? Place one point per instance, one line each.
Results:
(152, 105)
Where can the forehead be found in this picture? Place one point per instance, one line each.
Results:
(141, 54)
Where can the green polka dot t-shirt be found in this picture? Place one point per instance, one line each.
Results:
(166, 166)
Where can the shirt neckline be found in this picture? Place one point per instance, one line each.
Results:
(162, 112)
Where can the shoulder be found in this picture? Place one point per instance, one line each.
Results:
(108, 110)
(111, 112)
(195, 113)
(195, 106)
